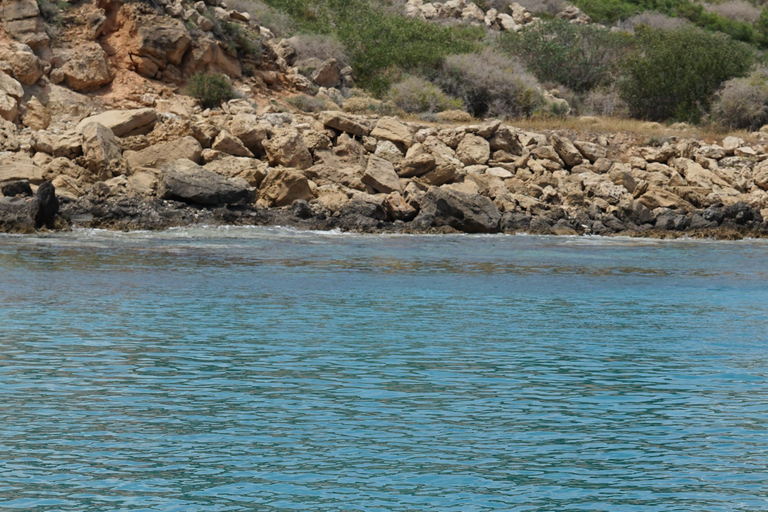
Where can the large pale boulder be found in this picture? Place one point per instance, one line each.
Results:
(21, 19)
(25, 65)
(328, 74)
(473, 150)
(83, 68)
(389, 128)
(155, 156)
(287, 148)
(100, 148)
(250, 130)
(283, 186)
(344, 123)
(381, 176)
(186, 181)
(590, 150)
(251, 170)
(229, 144)
(566, 150)
(36, 115)
(660, 198)
(124, 123)
(21, 171)
(162, 39)
(760, 175)
(11, 92)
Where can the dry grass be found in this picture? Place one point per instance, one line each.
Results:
(608, 125)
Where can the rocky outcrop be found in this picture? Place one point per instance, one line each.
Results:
(283, 186)
(157, 155)
(443, 206)
(83, 68)
(21, 19)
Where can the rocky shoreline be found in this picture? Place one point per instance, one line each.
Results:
(139, 169)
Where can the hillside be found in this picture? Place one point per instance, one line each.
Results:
(371, 116)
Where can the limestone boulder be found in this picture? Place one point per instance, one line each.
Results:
(157, 155)
(21, 19)
(660, 198)
(161, 39)
(465, 212)
(283, 186)
(760, 175)
(124, 123)
(473, 150)
(186, 181)
(100, 148)
(505, 139)
(327, 74)
(11, 92)
(36, 115)
(21, 171)
(566, 150)
(398, 208)
(389, 128)
(84, 68)
(344, 123)
(229, 144)
(250, 130)
(591, 151)
(26, 66)
(251, 170)
(380, 175)
(286, 148)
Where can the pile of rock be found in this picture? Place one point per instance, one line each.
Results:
(335, 169)
(468, 12)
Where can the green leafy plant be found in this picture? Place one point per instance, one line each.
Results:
(211, 89)
(673, 74)
(578, 57)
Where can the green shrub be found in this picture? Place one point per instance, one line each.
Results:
(416, 95)
(673, 75)
(239, 40)
(378, 40)
(491, 85)
(50, 11)
(578, 57)
(307, 103)
(211, 89)
(742, 103)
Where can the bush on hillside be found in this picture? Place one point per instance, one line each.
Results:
(541, 7)
(578, 57)
(653, 19)
(319, 46)
(742, 103)
(737, 10)
(278, 22)
(378, 40)
(416, 95)
(673, 75)
(491, 85)
(605, 102)
(211, 89)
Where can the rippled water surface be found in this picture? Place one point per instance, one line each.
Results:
(265, 369)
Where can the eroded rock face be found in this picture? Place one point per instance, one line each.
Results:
(24, 64)
(283, 186)
(21, 19)
(36, 116)
(155, 156)
(83, 68)
(186, 181)
(287, 148)
(381, 176)
(100, 148)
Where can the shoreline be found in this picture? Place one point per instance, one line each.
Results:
(131, 214)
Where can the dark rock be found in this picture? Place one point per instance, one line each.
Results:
(15, 188)
(44, 206)
(301, 209)
(14, 216)
(714, 214)
(540, 226)
(364, 208)
(512, 222)
(612, 223)
(699, 222)
(186, 181)
(464, 212)
(672, 222)
(742, 213)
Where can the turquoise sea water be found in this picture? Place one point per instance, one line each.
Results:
(265, 369)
